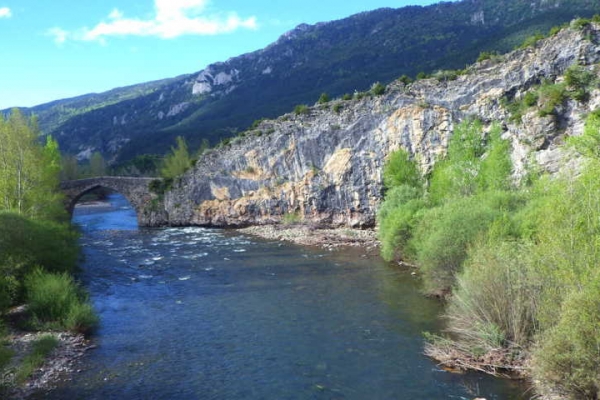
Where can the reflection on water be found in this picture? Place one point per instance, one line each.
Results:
(193, 313)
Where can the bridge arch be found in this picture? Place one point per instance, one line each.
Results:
(147, 204)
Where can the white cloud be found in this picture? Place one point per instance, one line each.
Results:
(5, 12)
(60, 35)
(173, 18)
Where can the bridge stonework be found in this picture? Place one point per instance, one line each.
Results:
(149, 206)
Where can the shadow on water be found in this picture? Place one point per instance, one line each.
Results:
(193, 313)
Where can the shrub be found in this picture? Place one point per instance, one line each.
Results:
(443, 235)
(301, 109)
(531, 41)
(588, 144)
(495, 300)
(291, 218)
(337, 108)
(400, 169)
(581, 23)
(56, 302)
(422, 75)
(397, 218)
(569, 354)
(456, 174)
(45, 243)
(377, 89)
(486, 55)
(496, 167)
(347, 96)
(551, 96)
(405, 79)
(324, 98)
(579, 81)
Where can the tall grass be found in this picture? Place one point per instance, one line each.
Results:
(56, 302)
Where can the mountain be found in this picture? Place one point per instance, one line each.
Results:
(334, 57)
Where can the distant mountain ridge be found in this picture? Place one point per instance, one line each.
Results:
(335, 57)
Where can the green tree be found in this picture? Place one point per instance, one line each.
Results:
(69, 169)
(97, 164)
(28, 185)
(177, 161)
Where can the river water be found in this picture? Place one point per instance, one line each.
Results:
(193, 313)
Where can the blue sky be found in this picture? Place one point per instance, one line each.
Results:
(63, 48)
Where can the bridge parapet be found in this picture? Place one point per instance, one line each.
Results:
(148, 205)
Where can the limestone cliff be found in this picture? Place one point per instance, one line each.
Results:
(325, 166)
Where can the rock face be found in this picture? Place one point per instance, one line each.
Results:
(325, 167)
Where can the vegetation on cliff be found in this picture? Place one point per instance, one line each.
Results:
(38, 248)
(518, 264)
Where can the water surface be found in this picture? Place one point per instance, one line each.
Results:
(193, 313)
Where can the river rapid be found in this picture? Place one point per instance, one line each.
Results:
(195, 313)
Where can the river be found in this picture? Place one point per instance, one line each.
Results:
(194, 313)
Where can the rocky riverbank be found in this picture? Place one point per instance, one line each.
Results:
(328, 238)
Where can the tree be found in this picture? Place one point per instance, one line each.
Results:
(28, 172)
(97, 164)
(178, 161)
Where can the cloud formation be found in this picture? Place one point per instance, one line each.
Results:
(5, 12)
(173, 18)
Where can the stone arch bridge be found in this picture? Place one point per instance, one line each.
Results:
(147, 204)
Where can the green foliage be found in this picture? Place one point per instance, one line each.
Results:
(97, 164)
(324, 98)
(338, 107)
(444, 234)
(531, 40)
(551, 96)
(69, 169)
(405, 79)
(28, 172)
(487, 55)
(496, 167)
(301, 109)
(41, 349)
(347, 96)
(141, 165)
(588, 144)
(400, 169)
(56, 302)
(397, 218)
(495, 300)
(421, 75)
(291, 218)
(581, 23)
(568, 356)
(177, 162)
(457, 174)
(579, 81)
(377, 89)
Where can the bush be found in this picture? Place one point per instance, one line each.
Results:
(405, 79)
(301, 109)
(568, 357)
(400, 169)
(495, 300)
(347, 96)
(551, 96)
(579, 80)
(397, 218)
(56, 302)
(443, 235)
(324, 98)
(24, 244)
(337, 108)
(588, 144)
(531, 41)
(377, 89)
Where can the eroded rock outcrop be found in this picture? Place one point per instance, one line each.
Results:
(325, 167)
